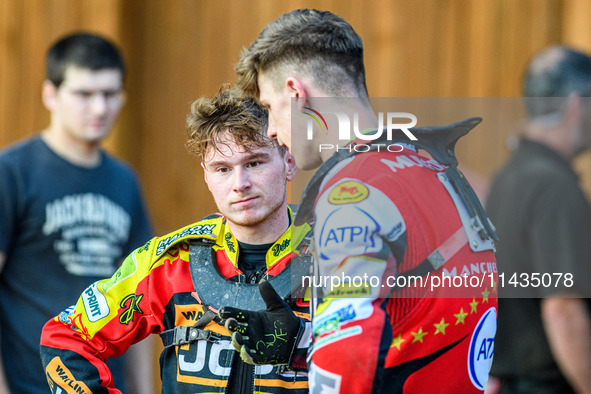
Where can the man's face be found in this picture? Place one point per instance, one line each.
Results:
(87, 103)
(279, 105)
(249, 188)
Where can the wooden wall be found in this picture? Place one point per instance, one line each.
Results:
(182, 49)
(178, 50)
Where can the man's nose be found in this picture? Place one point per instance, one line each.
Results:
(271, 129)
(241, 179)
(99, 103)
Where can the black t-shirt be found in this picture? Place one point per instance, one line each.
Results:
(252, 260)
(62, 227)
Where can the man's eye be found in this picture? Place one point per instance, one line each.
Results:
(253, 164)
(222, 170)
(110, 94)
(84, 94)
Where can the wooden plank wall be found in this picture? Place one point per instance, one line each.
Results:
(182, 49)
(178, 50)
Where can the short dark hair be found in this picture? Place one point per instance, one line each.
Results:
(84, 50)
(557, 71)
(318, 43)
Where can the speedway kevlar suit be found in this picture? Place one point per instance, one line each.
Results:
(377, 216)
(152, 292)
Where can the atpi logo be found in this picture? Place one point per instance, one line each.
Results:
(345, 126)
(480, 355)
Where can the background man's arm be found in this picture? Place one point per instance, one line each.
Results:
(568, 328)
(140, 366)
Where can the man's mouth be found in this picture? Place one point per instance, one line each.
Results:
(244, 201)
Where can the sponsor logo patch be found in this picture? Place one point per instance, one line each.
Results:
(348, 192)
(130, 305)
(336, 336)
(481, 352)
(60, 379)
(332, 322)
(280, 247)
(200, 229)
(95, 303)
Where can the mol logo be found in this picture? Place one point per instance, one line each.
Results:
(348, 128)
(348, 192)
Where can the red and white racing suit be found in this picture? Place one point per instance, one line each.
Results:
(377, 216)
(152, 292)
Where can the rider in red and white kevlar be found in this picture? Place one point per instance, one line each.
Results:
(379, 215)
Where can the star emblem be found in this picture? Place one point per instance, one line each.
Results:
(440, 327)
(396, 342)
(461, 316)
(485, 294)
(419, 335)
(473, 305)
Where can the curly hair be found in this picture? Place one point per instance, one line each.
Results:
(319, 44)
(228, 111)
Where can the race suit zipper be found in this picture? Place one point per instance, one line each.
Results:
(241, 380)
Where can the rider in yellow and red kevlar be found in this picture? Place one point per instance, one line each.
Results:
(152, 292)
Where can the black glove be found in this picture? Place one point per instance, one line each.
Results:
(267, 336)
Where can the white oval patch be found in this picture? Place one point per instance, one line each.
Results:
(480, 355)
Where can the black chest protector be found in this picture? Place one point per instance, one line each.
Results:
(216, 291)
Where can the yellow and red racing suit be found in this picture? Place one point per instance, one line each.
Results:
(152, 293)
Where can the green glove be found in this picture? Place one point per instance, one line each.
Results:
(267, 336)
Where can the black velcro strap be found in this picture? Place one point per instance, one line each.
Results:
(183, 335)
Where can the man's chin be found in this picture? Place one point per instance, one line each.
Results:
(246, 218)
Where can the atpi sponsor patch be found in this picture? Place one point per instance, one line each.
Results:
(481, 352)
(348, 192)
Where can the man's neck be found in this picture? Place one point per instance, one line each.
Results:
(366, 119)
(557, 139)
(75, 151)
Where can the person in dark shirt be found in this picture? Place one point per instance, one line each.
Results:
(543, 342)
(69, 211)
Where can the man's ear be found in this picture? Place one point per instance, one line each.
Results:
(290, 165)
(298, 90)
(573, 109)
(123, 97)
(49, 95)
